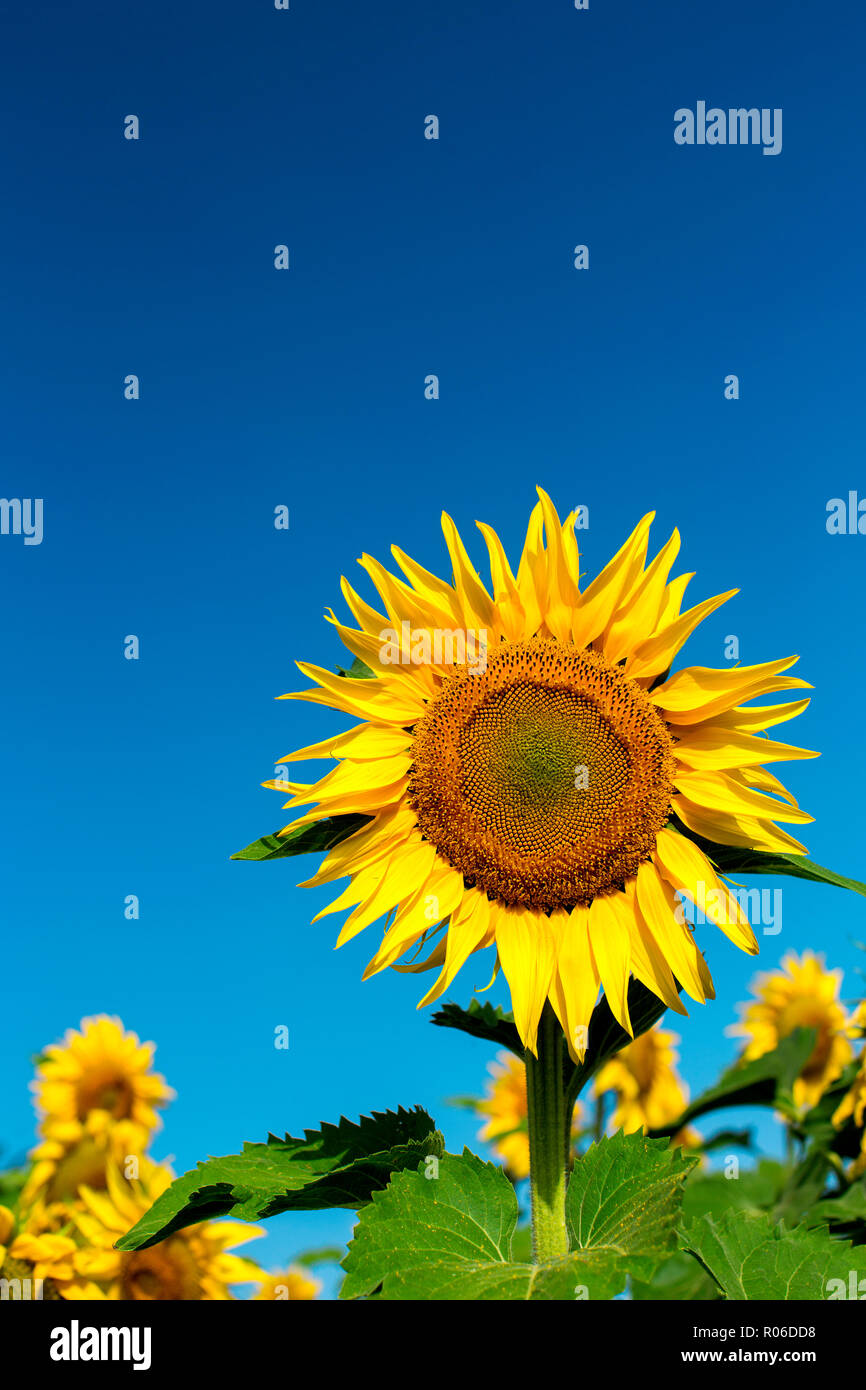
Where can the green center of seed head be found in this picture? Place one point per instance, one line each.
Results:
(534, 766)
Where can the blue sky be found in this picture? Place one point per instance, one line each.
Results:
(306, 388)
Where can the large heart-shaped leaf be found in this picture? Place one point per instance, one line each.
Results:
(448, 1232)
(750, 1257)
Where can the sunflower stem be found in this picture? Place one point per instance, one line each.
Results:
(548, 1114)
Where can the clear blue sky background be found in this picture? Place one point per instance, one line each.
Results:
(305, 388)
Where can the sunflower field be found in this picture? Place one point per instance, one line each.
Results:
(530, 769)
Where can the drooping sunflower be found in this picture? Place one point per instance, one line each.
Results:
(643, 1077)
(802, 994)
(531, 774)
(193, 1264)
(853, 1106)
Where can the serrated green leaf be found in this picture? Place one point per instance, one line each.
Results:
(750, 1257)
(486, 1021)
(322, 835)
(339, 1165)
(765, 1081)
(452, 1236)
(731, 859)
(625, 1195)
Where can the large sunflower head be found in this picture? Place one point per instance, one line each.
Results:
(802, 994)
(532, 777)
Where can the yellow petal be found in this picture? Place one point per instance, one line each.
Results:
(600, 600)
(658, 904)
(525, 946)
(657, 652)
(574, 987)
(466, 931)
(699, 693)
(609, 937)
(688, 869)
(718, 792)
(710, 747)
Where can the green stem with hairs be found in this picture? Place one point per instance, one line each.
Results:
(549, 1140)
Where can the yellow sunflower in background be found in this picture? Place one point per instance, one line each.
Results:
(802, 994)
(853, 1107)
(643, 1077)
(192, 1264)
(520, 755)
(7, 1226)
(103, 1069)
(97, 1095)
(506, 1111)
(294, 1284)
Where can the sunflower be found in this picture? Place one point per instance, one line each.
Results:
(506, 1111)
(96, 1093)
(527, 775)
(802, 994)
(643, 1076)
(104, 1069)
(853, 1107)
(7, 1226)
(295, 1284)
(192, 1264)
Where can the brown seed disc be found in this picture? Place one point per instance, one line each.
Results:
(544, 779)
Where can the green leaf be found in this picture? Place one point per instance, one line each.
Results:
(753, 1189)
(681, 1279)
(485, 1021)
(765, 1081)
(605, 1036)
(326, 1255)
(339, 1165)
(451, 1236)
(625, 1195)
(322, 835)
(803, 1188)
(751, 1258)
(11, 1184)
(847, 1209)
(725, 1139)
(731, 859)
(359, 670)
